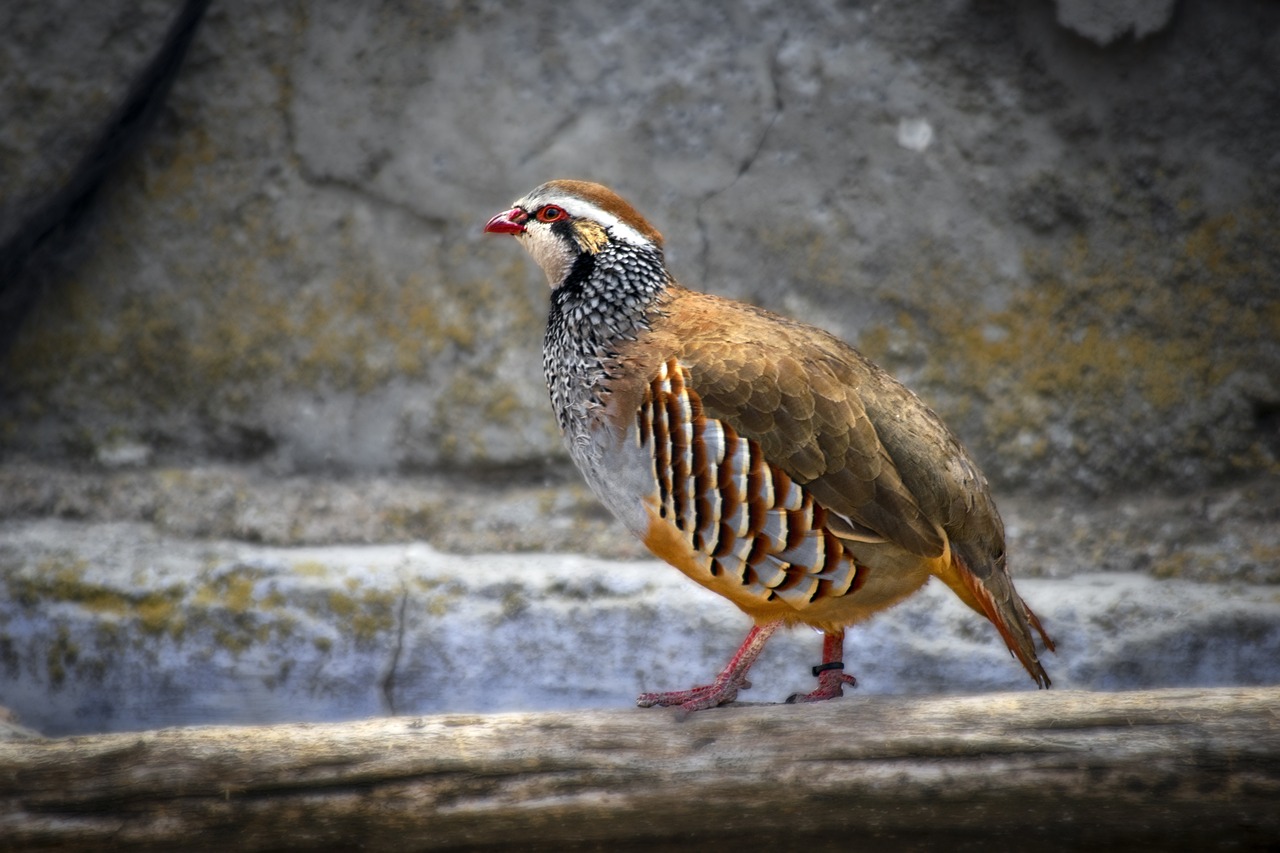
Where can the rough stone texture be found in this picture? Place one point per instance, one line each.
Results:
(1104, 21)
(114, 627)
(1072, 252)
(64, 74)
(1226, 534)
(280, 324)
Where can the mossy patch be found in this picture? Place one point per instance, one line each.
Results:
(1097, 343)
(363, 615)
(232, 589)
(66, 579)
(311, 569)
(434, 597)
(114, 352)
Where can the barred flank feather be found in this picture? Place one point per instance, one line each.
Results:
(729, 503)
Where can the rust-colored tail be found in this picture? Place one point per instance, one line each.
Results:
(995, 597)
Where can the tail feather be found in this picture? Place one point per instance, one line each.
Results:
(1035, 623)
(995, 598)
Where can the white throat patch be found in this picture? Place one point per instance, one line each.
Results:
(548, 251)
(553, 254)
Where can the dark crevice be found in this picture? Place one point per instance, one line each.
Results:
(54, 221)
(388, 683)
(1266, 419)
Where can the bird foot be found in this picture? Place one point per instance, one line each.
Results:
(722, 691)
(830, 686)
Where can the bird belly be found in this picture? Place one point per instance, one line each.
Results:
(820, 605)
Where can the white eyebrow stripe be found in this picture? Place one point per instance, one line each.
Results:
(582, 209)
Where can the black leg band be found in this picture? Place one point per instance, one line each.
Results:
(823, 667)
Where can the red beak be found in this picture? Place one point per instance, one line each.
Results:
(511, 222)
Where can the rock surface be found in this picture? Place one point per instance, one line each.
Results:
(113, 626)
(1228, 534)
(280, 407)
(64, 76)
(1104, 21)
(1071, 251)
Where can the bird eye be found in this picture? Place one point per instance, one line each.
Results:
(551, 213)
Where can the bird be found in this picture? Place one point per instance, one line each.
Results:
(764, 458)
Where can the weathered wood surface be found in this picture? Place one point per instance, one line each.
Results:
(1182, 769)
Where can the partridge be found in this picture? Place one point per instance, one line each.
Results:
(762, 457)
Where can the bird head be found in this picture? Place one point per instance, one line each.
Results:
(562, 221)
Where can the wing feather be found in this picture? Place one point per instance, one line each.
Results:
(807, 413)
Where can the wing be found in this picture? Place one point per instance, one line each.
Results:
(803, 396)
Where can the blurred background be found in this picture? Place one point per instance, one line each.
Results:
(268, 395)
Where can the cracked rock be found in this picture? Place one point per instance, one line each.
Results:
(289, 272)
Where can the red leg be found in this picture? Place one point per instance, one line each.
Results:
(726, 685)
(831, 678)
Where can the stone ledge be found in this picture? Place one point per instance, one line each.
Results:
(110, 626)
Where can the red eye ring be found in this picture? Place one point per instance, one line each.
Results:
(551, 213)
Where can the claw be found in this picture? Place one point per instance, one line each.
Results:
(733, 678)
(725, 688)
(830, 686)
(722, 691)
(831, 679)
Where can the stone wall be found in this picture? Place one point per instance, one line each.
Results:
(278, 403)
(1059, 224)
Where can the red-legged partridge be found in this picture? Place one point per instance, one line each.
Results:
(764, 458)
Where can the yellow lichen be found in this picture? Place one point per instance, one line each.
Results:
(311, 569)
(233, 590)
(340, 605)
(62, 579)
